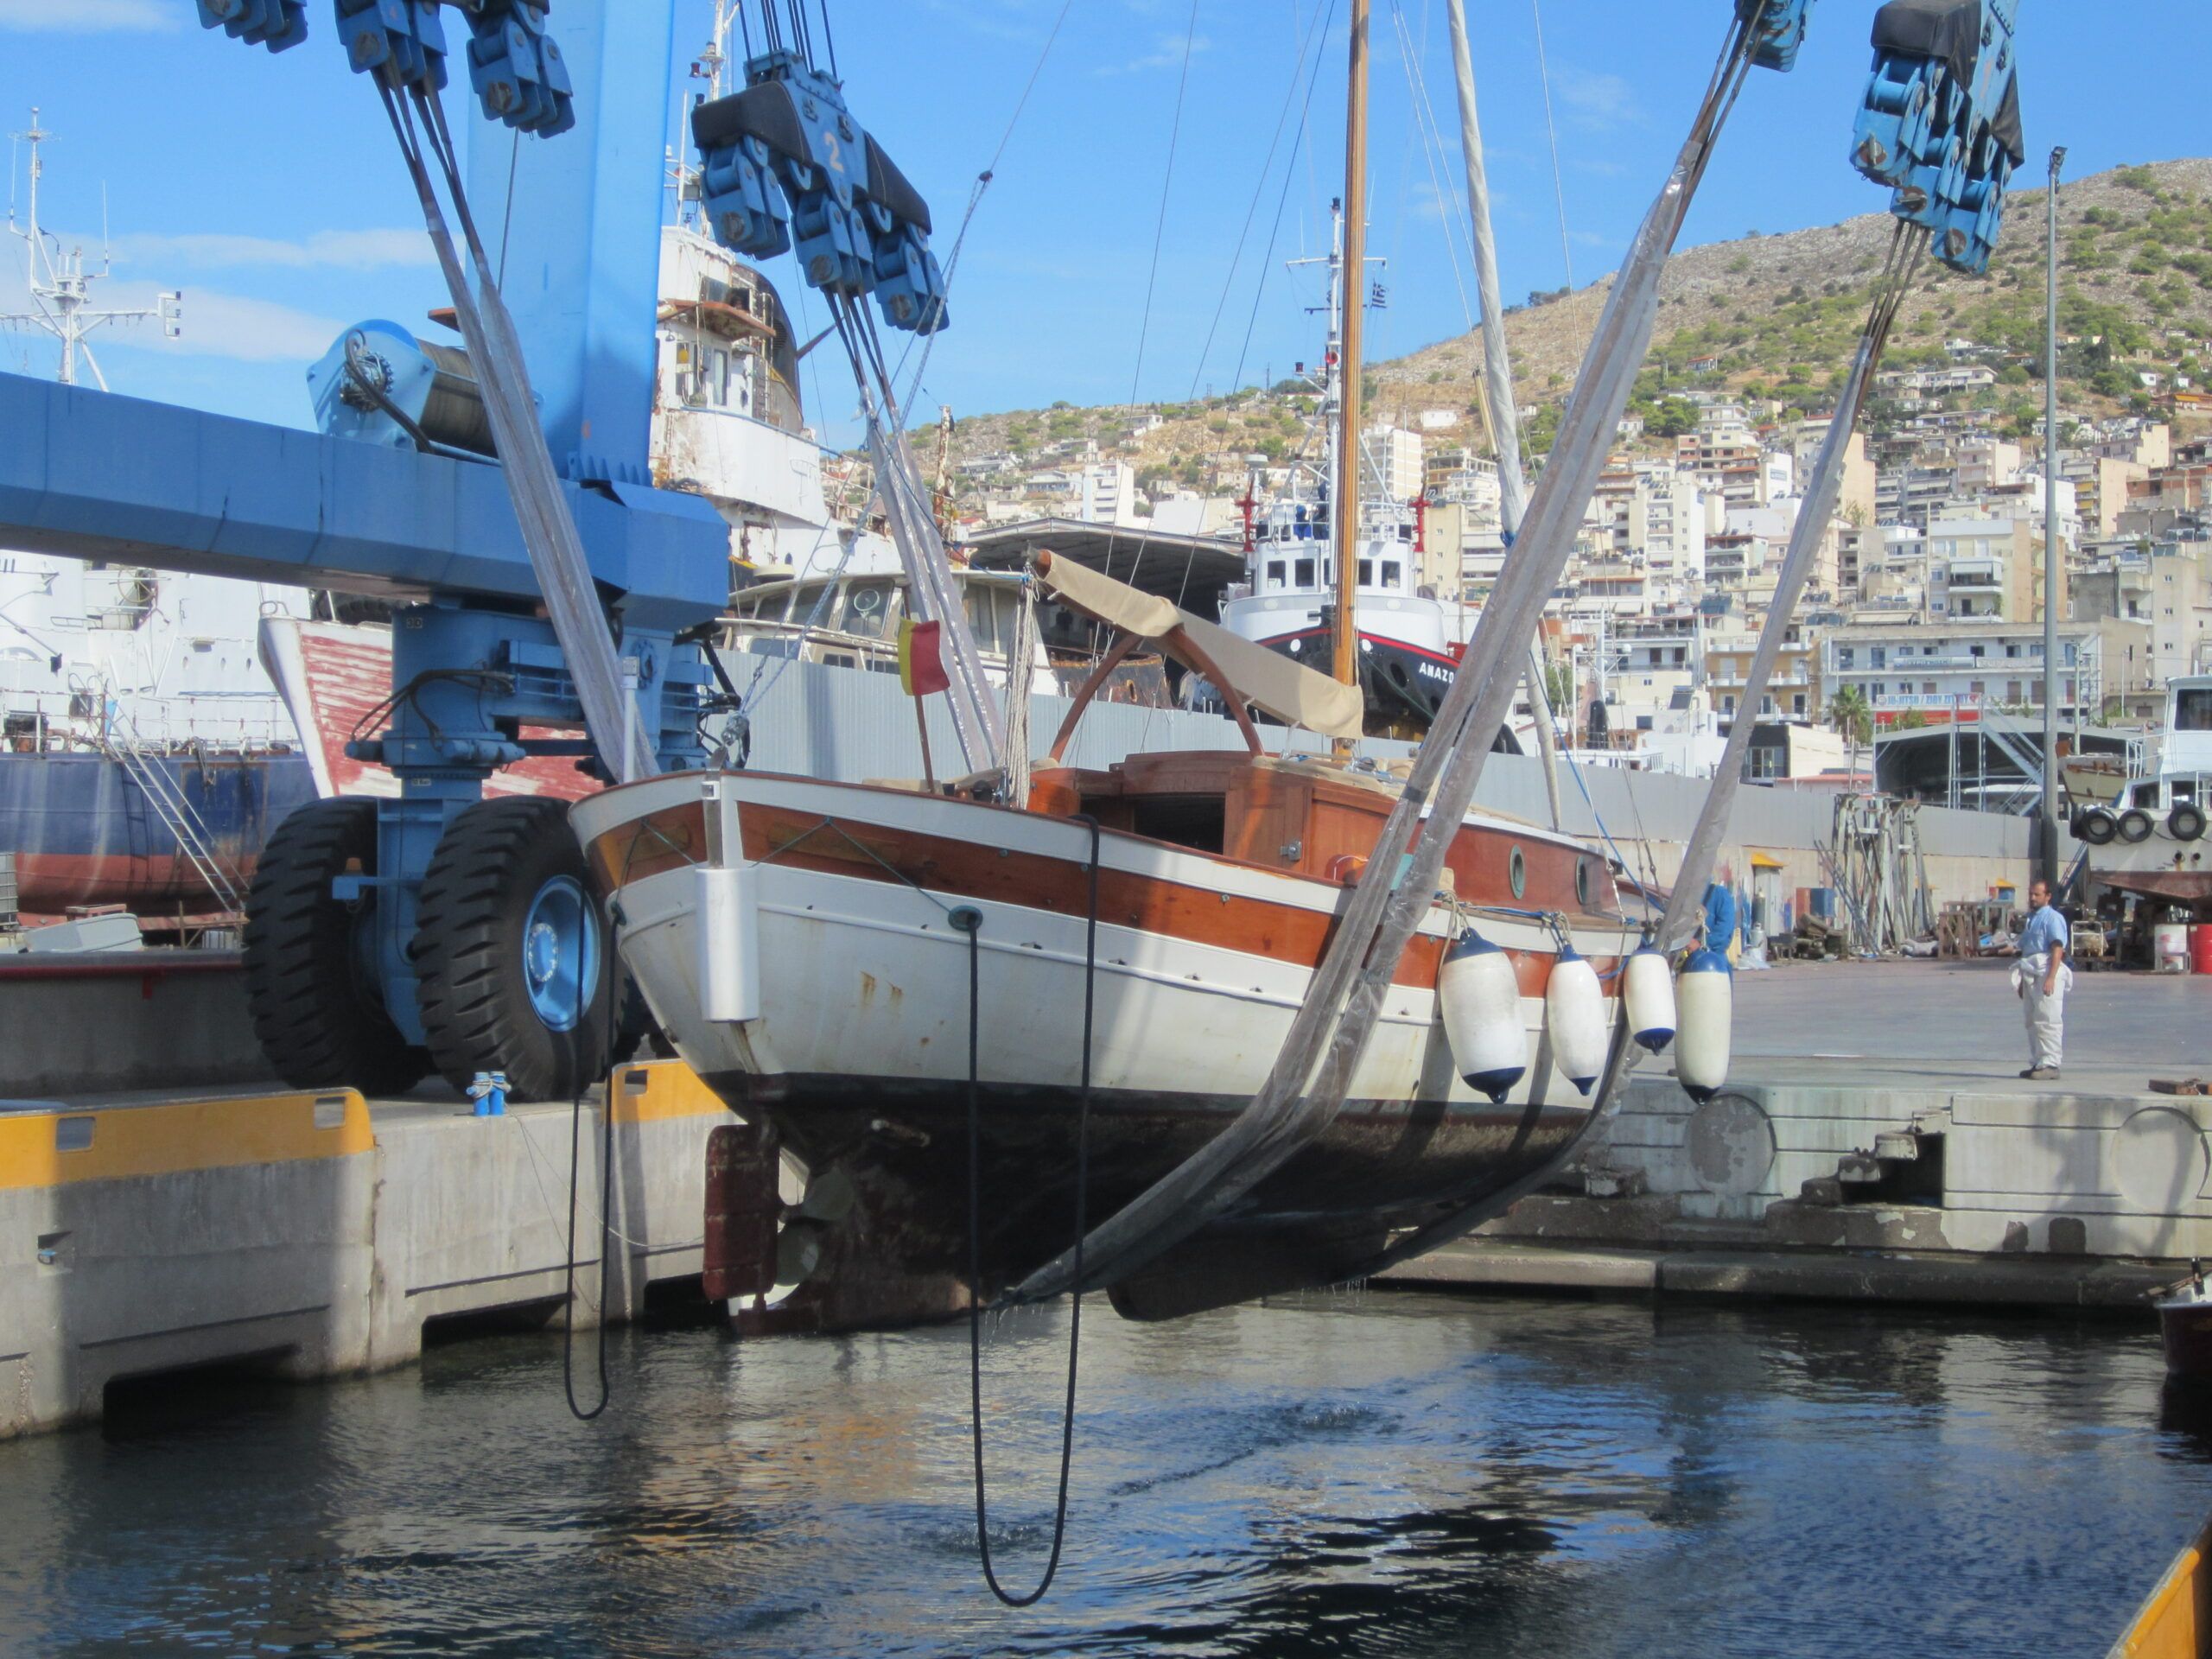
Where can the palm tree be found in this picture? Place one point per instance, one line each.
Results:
(1853, 716)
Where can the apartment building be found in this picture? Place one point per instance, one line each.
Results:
(1938, 664)
(1793, 691)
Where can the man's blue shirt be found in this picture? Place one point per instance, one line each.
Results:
(2044, 928)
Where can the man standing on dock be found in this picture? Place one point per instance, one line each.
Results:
(2042, 979)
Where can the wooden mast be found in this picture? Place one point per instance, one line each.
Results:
(1353, 279)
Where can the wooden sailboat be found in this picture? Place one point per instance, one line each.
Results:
(838, 960)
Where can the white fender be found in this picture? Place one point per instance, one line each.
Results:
(1480, 996)
(1705, 998)
(1575, 1018)
(1648, 987)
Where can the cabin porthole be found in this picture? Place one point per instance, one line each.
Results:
(1582, 882)
(1516, 871)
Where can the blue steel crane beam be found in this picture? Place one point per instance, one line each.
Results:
(94, 475)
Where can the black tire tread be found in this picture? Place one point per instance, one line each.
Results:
(476, 1016)
(313, 1025)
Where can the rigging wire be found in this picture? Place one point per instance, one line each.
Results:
(983, 181)
(1559, 182)
(1251, 212)
(1290, 175)
(1167, 179)
(1431, 144)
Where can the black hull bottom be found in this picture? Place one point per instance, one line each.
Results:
(904, 1146)
(1403, 686)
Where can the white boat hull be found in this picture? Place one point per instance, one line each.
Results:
(858, 1046)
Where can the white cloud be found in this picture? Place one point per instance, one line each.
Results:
(215, 324)
(1168, 54)
(369, 249)
(1600, 101)
(91, 16)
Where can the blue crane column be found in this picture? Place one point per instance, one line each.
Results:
(474, 661)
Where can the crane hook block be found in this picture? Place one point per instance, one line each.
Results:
(1777, 29)
(516, 69)
(401, 42)
(783, 164)
(1940, 122)
(276, 24)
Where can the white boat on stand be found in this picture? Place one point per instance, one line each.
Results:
(807, 947)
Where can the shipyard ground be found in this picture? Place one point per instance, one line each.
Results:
(1875, 1144)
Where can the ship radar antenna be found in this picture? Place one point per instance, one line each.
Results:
(60, 288)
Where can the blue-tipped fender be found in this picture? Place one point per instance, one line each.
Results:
(1479, 994)
(1705, 998)
(1575, 1019)
(1648, 989)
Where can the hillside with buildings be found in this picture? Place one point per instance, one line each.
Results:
(1926, 602)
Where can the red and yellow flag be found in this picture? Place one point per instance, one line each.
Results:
(921, 666)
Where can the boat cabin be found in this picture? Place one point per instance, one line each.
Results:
(1297, 815)
(1314, 818)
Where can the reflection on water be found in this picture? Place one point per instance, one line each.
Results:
(1386, 1474)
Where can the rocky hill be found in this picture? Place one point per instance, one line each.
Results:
(1766, 316)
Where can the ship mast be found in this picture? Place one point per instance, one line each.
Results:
(61, 289)
(1345, 640)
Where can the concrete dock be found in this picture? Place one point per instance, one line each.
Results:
(1875, 1143)
(316, 1234)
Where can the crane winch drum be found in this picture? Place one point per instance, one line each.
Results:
(382, 384)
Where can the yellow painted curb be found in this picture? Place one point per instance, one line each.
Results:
(54, 1148)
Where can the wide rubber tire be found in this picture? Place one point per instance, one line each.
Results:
(2135, 826)
(2096, 826)
(321, 1018)
(471, 983)
(2186, 821)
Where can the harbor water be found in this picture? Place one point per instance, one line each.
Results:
(1387, 1472)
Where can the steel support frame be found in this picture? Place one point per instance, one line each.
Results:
(467, 680)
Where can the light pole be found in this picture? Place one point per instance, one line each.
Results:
(2052, 551)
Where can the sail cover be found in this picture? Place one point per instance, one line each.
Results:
(1296, 695)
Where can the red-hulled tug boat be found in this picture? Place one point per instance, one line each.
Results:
(807, 946)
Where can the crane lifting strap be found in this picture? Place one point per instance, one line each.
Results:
(626, 748)
(1685, 902)
(1298, 1102)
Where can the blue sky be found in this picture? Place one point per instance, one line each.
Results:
(267, 188)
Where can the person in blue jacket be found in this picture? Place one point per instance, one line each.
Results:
(1720, 919)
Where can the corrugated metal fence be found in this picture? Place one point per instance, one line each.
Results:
(852, 724)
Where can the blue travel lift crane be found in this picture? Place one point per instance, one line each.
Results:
(436, 930)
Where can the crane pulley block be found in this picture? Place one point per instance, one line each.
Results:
(1777, 29)
(784, 163)
(402, 42)
(516, 68)
(276, 24)
(1941, 121)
